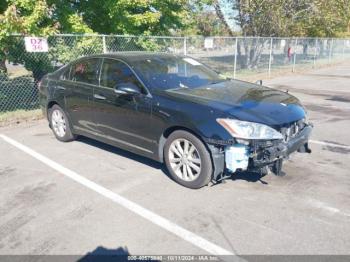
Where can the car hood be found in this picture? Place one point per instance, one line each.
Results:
(245, 101)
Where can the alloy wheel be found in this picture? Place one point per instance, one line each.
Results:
(58, 123)
(184, 159)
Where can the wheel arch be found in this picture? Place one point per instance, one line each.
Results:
(167, 132)
(217, 157)
(49, 105)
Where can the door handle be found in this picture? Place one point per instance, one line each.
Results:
(120, 92)
(99, 97)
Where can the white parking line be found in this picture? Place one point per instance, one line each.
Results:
(326, 207)
(137, 209)
(329, 144)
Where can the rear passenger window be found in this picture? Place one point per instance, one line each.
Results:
(65, 74)
(85, 71)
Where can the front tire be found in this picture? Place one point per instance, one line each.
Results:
(188, 160)
(60, 124)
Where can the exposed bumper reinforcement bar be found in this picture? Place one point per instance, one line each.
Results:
(265, 155)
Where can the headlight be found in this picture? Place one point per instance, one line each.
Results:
(248, 130)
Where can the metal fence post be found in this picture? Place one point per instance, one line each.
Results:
(270, 59)
(295, 54)
(104, 44)
(344, 43)
(185, 45)
(235, 62)
(315, 55)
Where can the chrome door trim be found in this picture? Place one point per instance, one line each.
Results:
(116, 140)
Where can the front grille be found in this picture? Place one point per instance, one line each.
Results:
(292, 129)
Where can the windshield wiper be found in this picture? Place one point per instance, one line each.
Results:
(178, 88)
(217, 81)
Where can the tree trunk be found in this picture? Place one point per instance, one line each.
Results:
(247, 55)
(305, 49)
(221, 16)
(321, 46)
(3, 65)
(239, 54)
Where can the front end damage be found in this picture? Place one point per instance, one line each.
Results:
(256, 155)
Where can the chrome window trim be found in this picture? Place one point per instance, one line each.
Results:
(81, 83)
(102, 58)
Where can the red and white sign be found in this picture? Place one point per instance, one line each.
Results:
(36, 44)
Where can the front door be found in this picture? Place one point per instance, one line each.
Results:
(122, 118)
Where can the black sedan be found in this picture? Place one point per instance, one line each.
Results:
(176, 110)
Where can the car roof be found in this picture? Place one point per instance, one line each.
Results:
(134, 56)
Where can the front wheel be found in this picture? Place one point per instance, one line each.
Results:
(188, 160)
(60, 124)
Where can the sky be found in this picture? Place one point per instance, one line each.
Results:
(229, 14)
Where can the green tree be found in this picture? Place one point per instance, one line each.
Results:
(285, 18)
(122, 16)
(322, 18)
(47, 17)
(25, 17)
(328, 18)
(206, 19)
(220, 15)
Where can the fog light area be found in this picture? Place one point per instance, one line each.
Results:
(236, 157)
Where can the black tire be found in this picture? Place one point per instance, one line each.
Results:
(68, 136)
(206, 171)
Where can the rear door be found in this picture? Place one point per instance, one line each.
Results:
(79, 94)
(124, 119)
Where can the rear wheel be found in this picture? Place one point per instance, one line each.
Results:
(60, 124)
(188, 160)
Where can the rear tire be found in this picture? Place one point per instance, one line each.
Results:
(60, 125)
(188, 160)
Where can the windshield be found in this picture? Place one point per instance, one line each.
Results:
(174, 72)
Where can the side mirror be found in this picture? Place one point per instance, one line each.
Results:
(127, 89)
(259, 82)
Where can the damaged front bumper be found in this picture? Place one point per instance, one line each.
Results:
(267, 152)
(257, 154)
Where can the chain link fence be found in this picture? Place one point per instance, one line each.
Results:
(235, 57)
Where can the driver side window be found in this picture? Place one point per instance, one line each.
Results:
(115, 73)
